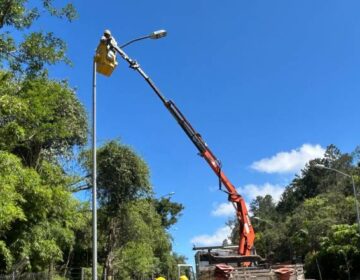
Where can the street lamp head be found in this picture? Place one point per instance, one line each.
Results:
(263, 220)
(321, 166)
(158, 34)
(168, 195)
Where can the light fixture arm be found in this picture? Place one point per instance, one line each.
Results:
(337, 171)
(135, 40)
(134, 65)
(321, 166)
(154, 35)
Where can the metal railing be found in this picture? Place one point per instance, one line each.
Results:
(27, 276)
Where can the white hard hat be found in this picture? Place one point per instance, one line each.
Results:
(107, 33)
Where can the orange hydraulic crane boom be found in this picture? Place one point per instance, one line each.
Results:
(246, 231)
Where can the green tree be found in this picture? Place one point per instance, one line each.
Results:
(268, 228)
(43, 215)
(264, 207)
(38, 49)
(168, 210)
(339, 254)
(145, 247)
(310, 206)
(10, 203)
(313, 181)
(40, 121)
(133, 239)
(39, 118)
(122, 175)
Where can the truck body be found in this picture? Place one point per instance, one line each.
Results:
(221, 262)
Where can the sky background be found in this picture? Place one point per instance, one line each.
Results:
(268, 85)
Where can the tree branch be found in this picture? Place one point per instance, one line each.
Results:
(4, 13)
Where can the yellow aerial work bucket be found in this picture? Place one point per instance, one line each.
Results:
(105, 59)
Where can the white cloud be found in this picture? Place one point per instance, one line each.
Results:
(224, 210)
(210, 240)
(251, 191)
(287, 162)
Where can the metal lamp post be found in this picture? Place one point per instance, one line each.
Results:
(321, 166)
(263, 220)
(168, 195)
(108, 42)
(155, 35)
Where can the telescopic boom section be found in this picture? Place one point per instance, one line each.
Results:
(246, 231)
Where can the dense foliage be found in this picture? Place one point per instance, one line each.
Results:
(39, 118)
(38, 48)
(134, 242)
(39, 216)
(314, 221)
(43, 227)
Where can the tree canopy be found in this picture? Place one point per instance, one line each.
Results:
(312, 220)
(39, 118)
(38, 48)
(134, 241)
(38, 215)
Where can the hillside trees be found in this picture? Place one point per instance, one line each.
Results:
(312, 220)
(313, 181)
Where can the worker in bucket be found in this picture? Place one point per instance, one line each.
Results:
(110, 42)
(183, 277)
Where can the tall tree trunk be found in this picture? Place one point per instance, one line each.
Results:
(51, 270)
(110, 254)
(67, 261)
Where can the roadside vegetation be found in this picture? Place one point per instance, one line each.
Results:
(43, 227)
(315, 220)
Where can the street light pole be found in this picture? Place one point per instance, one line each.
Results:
(321, 166)
(94, 181)
(107, 35)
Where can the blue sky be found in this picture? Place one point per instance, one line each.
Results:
(268, 84)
